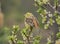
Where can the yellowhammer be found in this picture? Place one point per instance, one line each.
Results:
(30, 20)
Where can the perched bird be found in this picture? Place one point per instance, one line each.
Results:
(31, 20)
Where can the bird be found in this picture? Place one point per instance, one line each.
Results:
(31, 20)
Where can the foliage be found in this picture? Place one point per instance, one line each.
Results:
(58, 35)
(37, 40)
(13, 37)
(48, 19)
(49, 41)
(26, 33)
(47, 16)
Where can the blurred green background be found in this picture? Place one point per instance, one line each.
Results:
(13, 12)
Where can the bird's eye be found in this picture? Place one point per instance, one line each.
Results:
(29, 20)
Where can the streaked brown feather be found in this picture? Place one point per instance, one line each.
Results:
(35, 23)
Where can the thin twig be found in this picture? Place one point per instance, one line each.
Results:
(12, 41)
(28, 37)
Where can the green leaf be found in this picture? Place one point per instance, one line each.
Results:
(15, 27)
(37, 40)
(46, 26)
(58, 35)
(55, 2)
(20, 42)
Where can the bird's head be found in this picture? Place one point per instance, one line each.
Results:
(28, 15)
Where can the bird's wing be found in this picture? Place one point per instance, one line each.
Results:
(36, 24)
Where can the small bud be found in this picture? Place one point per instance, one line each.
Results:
(50, 15)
